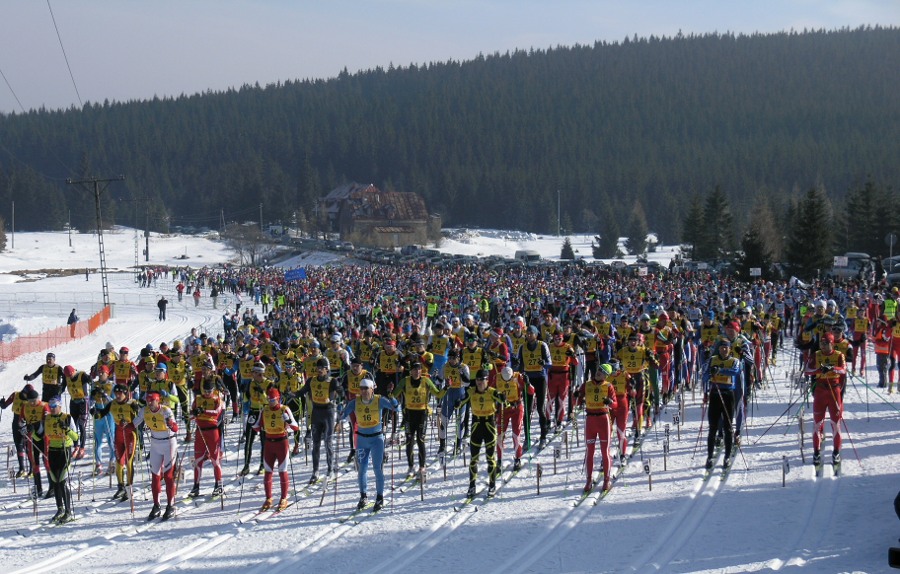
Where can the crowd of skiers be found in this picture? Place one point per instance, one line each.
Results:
(382, 348)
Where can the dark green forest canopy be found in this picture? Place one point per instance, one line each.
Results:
(489, 142)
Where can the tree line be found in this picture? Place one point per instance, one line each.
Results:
(618, 135)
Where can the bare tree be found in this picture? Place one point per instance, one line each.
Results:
(252, 245)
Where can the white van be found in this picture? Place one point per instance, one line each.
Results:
(527, 256)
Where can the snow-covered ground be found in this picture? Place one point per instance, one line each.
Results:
(749, 522)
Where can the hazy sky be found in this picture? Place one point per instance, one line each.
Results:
(128, 49)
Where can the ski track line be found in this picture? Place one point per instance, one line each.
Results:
(559, 530)
(820, 514)
(230, 531)
(444, 526)
(813, 499)
(682, 525)
(200, 547)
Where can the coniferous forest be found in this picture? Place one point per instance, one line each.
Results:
(650, 132)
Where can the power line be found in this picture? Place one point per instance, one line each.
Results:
(12, 91)
(55, 27)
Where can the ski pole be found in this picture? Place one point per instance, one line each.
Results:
(699, 434)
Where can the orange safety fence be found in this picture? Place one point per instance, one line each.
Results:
(26, 344)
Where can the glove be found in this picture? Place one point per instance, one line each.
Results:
(197, 411)
(826, 368)
(501, 397)
(163, 394)
(713, 370)
(607, 401)
(25, 378)
(531, 390)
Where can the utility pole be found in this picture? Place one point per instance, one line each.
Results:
(558, 220)
(96, 181)
(13, 224)
(260, 218)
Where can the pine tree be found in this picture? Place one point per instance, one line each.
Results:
(2, 234)
(567, 251)
(808, 252)
(636, 241)
(692, 228)
(607, 245)
(755, 253)
(717, 232)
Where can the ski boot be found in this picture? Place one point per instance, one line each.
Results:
(351, 455)
(245, 471)
(471, 492)
(22, 473)
(120, 492)
(442, 445)
(737, 440)
(817, 458)
(66, 518)
(313, 479)
(169, 513)
(195, 491)
(606, 484)
(517, 465)
(296, 450)
(59, 512)
(363, 500)
(260, 470)
(728, 460)
(709, 463)
(492, 489)
(283, 504)
(267, 505)
(836, 457)
(217, 489)
(410, 473)
(154, 512)
(379, 503)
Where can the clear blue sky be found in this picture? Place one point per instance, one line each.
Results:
(134, 49)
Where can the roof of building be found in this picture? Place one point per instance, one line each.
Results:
(369, 202)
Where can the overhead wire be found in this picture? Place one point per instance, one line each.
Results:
(65, 56)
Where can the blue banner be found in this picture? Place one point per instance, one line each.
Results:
(295, 274)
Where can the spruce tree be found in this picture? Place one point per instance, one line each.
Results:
(636, 233)
(808, 252)
(692, 229)
(718, 228)
(607, 245)
(567, 252)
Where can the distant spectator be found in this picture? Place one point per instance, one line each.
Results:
(71, 322)
(162, 307)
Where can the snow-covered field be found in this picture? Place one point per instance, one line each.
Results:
(749, 522)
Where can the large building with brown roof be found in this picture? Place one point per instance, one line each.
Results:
(366, 216)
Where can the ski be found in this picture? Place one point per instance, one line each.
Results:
(715, 459)
(820, 469)
(358, 511)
